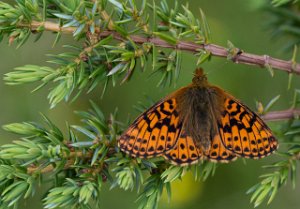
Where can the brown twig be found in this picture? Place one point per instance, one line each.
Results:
(71, 159)
(296, 156)
(215, 50)
(281, 115)
(47, 169)
(49, 26)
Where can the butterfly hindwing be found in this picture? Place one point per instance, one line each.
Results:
(153, 132)
(184, 152)
(243, 132)
(218, 152)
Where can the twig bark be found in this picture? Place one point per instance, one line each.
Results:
(47, 169)
(281, 115)
(71, 158)
(215, 50)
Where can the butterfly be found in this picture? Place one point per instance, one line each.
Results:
(198, 122)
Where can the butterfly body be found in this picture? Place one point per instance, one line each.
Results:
(199, 121)
(200, 106)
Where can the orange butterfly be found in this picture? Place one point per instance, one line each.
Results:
(200, 121)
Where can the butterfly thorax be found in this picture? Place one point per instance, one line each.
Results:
(200, 106)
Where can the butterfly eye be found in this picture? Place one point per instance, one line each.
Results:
(203, 78)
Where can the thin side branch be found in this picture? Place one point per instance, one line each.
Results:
(72, 156)
(47, 169)
(49, 26)
(215, 50)
(281, 115)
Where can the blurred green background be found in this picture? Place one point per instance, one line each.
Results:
(241, 22)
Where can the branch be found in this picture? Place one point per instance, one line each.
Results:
(215, 50)
(281, 115)
(47, 169)
(49, 26)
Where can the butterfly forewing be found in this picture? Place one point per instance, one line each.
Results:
(153, 132)
(243, 132)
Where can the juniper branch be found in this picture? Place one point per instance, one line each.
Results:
(215, 50)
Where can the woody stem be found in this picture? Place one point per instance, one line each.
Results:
(281, 115)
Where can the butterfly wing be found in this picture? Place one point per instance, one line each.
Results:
(153, 132)
(243, 132)
(185, 152)
(218, 152)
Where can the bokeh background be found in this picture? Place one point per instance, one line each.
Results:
(241, 22)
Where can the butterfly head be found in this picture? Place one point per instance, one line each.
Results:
(200, 78)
